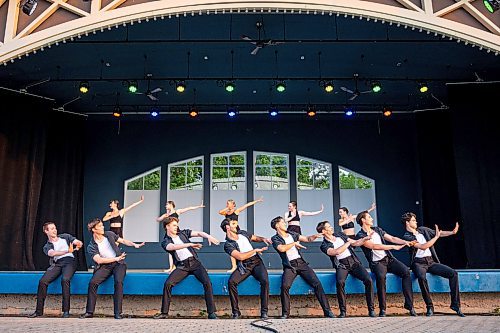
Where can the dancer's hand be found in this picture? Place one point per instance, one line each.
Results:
(139, 245)
(438, 232)
(196, 246)
(121, 257)
(300, 246)
(212, 240)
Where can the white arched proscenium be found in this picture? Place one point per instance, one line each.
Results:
(16, 44)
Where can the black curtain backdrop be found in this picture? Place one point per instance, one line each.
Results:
(41, 177)
(440, 193)
(477, 159)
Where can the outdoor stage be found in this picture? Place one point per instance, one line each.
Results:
(480, 293)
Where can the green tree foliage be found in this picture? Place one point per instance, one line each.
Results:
(152, 180)
(304, 176)
(349, 181)
(177, 177)
(364, 184)
(136, 184)
(186, 175)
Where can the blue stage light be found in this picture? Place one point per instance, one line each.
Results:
(349, 111)
(232, 112)
(155, 112)
(273, 112)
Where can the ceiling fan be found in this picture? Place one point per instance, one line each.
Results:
(260, 43)
(150, 93)
(355, 93)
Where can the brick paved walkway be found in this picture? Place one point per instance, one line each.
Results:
(475, 324)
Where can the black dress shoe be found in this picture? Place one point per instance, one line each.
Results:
(430, 312)
(413, 313)
(458, 311)
(236, 316)
(264, 315)
(35, 314)
(87, 315)
(160, 316)
(65, 314)
(329, 314)
(381, 313)
(212, 315)
(342, 314)
(118, 316)
(371, 313)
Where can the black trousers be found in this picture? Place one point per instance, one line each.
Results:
(255, 267)
(423, 265)
(101, 274)
(65, 266)
(191, 266)
(300, 267)
(394, 266)
(350, 266)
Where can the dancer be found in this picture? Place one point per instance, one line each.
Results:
(238, 245)
(176, 242)
(339, 248)
(381, 260)
(288, 246)
(172, 212)
(110, 260)
(346, 221)
(232, 213)
(115, 216)
(424, 259)
(62, 261)
(293, 216)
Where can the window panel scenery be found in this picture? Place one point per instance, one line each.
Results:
(271, 172)
(357, 192)
(186, 175)
(228, 172)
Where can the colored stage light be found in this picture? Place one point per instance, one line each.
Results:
(311, 112)
(273, 112)
(155, 112)
(232, 112)
(230, 86)
(194, 113)
(132, 86)
(281, 86)
(376, 87)
(328, 86)
(349, 111)
(387, 112)
(84, 87)
(117, 112)
(180, 86)
(422, 87)
(492, 5)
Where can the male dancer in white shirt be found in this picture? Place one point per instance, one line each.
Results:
(62, 261)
